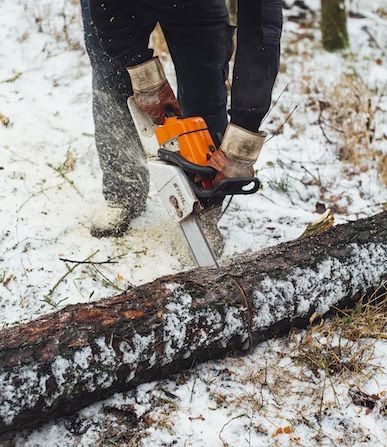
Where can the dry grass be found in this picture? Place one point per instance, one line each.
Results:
(61, 20)
(167, 406)
(335, 356)
(367, 320)
(349, 117)
(344, 345)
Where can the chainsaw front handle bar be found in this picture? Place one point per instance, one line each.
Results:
(226, 187)
(190, 168)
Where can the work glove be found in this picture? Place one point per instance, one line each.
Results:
(237, 154)
(151, 90)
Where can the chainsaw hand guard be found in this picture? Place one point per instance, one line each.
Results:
(226, 187)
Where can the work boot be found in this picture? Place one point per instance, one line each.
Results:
(208, 219)
(114, 219)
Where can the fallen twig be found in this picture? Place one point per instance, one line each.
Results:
(108, 280)
(276, 101)
(72, 261)
(282, 125)
(63, 175)
(47, 298)
(12, 78)
(225, 425)
(42, 191)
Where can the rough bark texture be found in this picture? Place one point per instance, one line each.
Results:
(61, 362)
(334, 25)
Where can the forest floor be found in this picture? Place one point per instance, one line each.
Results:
(326, 385)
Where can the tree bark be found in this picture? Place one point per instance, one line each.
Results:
(57, 364)
(333, 25)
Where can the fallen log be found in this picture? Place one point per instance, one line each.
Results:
(57, 364)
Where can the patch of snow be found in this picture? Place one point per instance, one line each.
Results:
(323, 286)
(60, 368)
(24, 393)
(176, 318)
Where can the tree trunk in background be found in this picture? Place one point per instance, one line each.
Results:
(334, 25)
(62, 362)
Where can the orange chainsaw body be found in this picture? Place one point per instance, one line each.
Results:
(195, 142)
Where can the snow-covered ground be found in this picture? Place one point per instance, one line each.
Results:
(50, 188)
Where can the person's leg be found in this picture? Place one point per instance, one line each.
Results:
(257, 61)
(199, 38)
(121, 157)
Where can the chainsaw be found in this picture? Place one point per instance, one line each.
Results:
(179, 151)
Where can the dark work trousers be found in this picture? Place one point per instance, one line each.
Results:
(198, 42)
(125, 178)
(257, 61)
(200, 48)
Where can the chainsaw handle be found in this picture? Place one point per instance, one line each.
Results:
(228, 187)
(173, 157)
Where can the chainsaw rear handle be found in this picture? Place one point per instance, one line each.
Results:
(226, 187)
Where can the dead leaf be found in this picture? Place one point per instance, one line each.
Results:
(324, 223)
(363, 399)
(149, 419)
(4, 120)
(283, 430)
(8, 279)
(196, 418)
(119, 277)
(69, 163)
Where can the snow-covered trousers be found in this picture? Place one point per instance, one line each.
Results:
(201, 70)
(125, 177)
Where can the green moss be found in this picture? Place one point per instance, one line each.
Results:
(333, 25)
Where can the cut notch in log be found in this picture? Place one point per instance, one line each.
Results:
(57, 364)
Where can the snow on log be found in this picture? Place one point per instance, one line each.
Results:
(57, 364)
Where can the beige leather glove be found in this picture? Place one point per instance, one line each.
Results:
(152, 91)
(237, 154)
